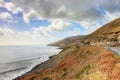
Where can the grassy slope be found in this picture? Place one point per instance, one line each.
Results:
(81, 63)
(108, 32)
(111, 27)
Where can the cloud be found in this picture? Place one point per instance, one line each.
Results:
(6, 31)
(79, 10)
(1, 33)
(85, 12)
(56, 25)
(10, 6)
(112, 9)
(53, 9)
(10, 36)
(111, 6)
(90, 26)
(28, 16)
(5, 16)
(74, 32)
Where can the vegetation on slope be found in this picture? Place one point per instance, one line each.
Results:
(107, 35)
(82, 63)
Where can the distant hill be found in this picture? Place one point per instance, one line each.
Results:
(68, 41)
(107, 35)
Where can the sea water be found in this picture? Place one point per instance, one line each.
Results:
(17, 60)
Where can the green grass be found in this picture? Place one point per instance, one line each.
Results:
(116, 56)
(80, 74)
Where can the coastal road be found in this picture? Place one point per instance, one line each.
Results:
(115, 49)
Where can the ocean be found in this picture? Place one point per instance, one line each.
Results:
(17, 60)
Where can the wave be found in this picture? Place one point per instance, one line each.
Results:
(22, 59)
(13, 70)
(10, 74)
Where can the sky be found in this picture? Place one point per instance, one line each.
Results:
(39, 22)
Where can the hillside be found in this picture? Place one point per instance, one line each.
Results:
(68, 41)
(107, 35)
(88, 57)
(80, 63)
(112, 27)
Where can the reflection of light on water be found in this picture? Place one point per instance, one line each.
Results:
(13, 74)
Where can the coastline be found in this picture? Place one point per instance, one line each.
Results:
(43, 65)
(24, 60)
(51, 62)
(69, 63)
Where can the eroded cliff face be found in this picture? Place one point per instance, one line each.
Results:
(80, 63)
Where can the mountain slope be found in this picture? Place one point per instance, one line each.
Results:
(83, 58)
(68, 41)
(82, 63)
(112, 27)
(107, 35)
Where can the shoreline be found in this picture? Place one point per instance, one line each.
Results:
(11, 68)
(50, 63)
(75, 59)
(40, 66)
